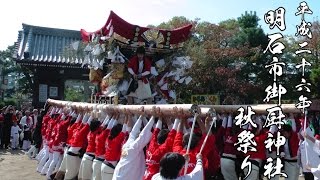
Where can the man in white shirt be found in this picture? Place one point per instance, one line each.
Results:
(34, 117)
(26, 120)
(308, 155)
(171, 165)
(132, 164)
(26, 123)
(315, 170)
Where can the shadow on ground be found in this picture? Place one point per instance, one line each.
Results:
(11, 152)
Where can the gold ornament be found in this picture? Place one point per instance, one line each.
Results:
(95, 76)
(153, 35)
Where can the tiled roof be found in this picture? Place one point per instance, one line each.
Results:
(42, 45)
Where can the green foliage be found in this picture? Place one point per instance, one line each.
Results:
(73, 95)
(248, 20)
(23, 75)
(12, 102)
(2, 104)
(224, 56)
(7, 61)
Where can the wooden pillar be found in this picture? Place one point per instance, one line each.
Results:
(60, 83)
(35, 94)
(61, 87)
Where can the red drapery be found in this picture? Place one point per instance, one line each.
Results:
(128, 31)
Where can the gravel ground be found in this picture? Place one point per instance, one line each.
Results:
(15, 165)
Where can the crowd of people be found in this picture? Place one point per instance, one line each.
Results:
(18, 128)
(101, 146)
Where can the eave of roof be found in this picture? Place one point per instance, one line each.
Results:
(43, 45)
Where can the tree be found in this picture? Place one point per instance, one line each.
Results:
(24, 75)
(73, 95)
(224, 55)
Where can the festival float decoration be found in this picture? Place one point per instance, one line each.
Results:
(108, 49)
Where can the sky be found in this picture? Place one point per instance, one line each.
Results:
(91, 15)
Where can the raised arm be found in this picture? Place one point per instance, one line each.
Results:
(171, 136)
(312, 139)
(177, 143)
(197, 172)
(111, 123)
(224, 121)
(208, 122)
(129, 122)
(105, 121)
(168, 121)
(136, 128)
(181, 125)
(201, 125)
(229, 124)
(144, 136)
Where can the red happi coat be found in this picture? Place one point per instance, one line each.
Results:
(230, 140)
(113, 147)
(52, 130)
(45, 122)
(100, 142)
(293, 144)
(62, 134)
(91, 148)
(178, 147)
(156, 151)
(80, 137)
(71, 130)
(261, 148)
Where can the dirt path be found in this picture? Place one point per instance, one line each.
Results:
(15, 165)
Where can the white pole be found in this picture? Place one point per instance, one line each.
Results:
(304, 130)
(205, 140)
(189, 142)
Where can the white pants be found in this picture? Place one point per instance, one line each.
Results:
(254, 174)
(63, 165)
(26, 144)
(106, 172)
(55, 160)
(59, 163)
(41, 153)
(46, 166)
(32, 151)
(15, 141)
(43, 160)
(142, 92)
(72, 168)
(85, 171)
(228, 169)
(292, 170)
(273, 155)
(96, 166)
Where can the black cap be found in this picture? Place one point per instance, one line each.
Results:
(141, 50)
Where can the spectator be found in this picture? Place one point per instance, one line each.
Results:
(8, 120)
(15, 135)
(1, 123)
(36, 136)
(34, 117)
(26, 123)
